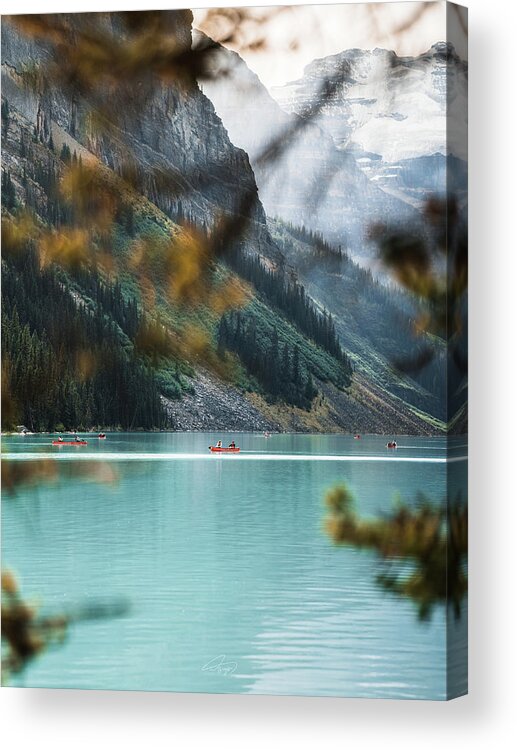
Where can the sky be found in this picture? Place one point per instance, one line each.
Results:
(298, 34)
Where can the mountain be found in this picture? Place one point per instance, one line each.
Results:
(389, 113)
(311, 181)
(318, 183)
(60, 320)
(175, 140)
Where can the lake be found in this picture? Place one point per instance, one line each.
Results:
(233, 584)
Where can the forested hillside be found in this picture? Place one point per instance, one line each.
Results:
(52, 342)
(375, 322)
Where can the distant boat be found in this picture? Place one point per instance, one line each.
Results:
(102, 436)
(391, 444)
(357, 437)
(215, 449)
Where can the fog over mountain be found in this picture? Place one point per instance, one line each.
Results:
(373, 149)
(389, 105)
(388, 111)
(311, 182)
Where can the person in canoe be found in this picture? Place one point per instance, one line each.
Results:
(77, 439)
(60, 439)
(232, 444)
(219, 444)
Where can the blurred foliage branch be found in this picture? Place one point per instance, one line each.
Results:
(26, 633)
(432, 540)
(432, 265)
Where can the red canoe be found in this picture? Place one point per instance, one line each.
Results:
(214, 449)
(69, 442)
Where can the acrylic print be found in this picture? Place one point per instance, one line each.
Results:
(234, 350)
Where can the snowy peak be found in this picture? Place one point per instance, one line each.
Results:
(311, 182)
(385, 104)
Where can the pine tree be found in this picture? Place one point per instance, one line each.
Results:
(8, 191)
(296, 366)
(65, 154)
(5, 118)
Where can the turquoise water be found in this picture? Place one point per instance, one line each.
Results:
(233, 586)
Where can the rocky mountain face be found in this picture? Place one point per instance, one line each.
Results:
(402, 119)
(303, 174)
(184, 159)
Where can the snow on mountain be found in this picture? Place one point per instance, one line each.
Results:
(389, 105)
(310, 181)
(388, 110)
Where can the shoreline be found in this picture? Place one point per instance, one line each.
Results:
(260, 433)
